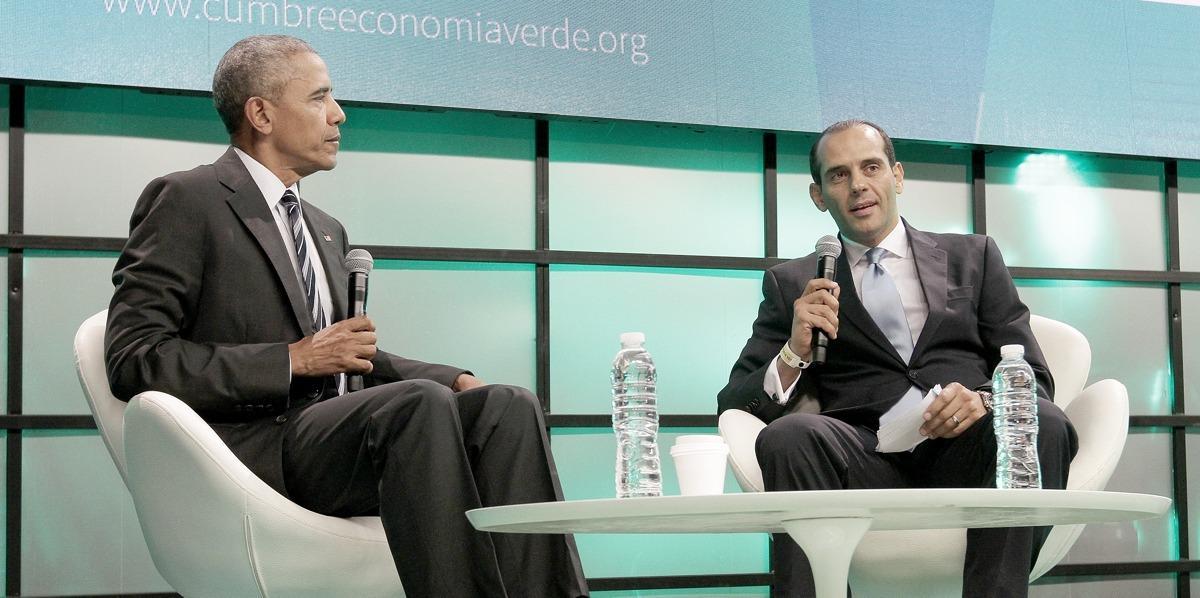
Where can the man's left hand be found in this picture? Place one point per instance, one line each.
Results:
(466, 382)
(952, 412)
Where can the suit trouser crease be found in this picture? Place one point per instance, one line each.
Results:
(421, 456)
(816, 452)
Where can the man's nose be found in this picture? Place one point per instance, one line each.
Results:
(336, 116)
(857, 182)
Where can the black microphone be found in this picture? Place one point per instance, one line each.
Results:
(358, 263)
(828, 250)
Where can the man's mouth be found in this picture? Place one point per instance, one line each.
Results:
(861, 208)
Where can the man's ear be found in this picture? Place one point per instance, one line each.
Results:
(258, 115)
(898, 172)
(814, 191)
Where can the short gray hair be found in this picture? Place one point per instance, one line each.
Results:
(255, 66)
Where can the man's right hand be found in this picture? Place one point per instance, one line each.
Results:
(344, 347)
(817, 308)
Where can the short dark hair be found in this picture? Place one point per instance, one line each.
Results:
(814, 165)
(255, 66)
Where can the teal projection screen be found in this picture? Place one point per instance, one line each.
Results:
(1113, 76)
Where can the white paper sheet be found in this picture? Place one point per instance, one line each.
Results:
(900, 427)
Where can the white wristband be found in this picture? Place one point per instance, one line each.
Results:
(791, 359)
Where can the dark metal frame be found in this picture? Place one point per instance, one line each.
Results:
(14, 422)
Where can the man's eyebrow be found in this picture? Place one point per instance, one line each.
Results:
(320, 91)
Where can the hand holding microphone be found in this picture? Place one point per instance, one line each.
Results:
(815, 313)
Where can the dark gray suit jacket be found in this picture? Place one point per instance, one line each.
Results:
(973, 310)
(207, 300)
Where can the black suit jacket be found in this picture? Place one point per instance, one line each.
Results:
(207, 300)
(973, 310)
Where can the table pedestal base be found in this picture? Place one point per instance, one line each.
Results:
(829, 545)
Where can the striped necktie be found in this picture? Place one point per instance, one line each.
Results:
(307, 274)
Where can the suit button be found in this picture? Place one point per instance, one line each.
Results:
(752, 405)
(281, 419)
(912, 374)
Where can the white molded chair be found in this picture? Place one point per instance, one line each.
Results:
(214, 528)
(929, 563)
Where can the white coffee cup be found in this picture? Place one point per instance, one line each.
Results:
(697, 438)
(700, 464)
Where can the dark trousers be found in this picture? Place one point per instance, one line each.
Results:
(815, 452)
(421, 456)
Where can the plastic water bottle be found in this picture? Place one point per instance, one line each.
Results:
(1016, 421)
(635, 419)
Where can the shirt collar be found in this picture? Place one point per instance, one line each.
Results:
(896, 243)
(271, 187)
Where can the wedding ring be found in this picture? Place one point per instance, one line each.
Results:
(954, 418)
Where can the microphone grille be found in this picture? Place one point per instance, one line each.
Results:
(829, 246)
(359, 260)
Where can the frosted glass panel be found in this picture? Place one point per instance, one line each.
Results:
(475, 316)
(4, 336)
(1189, 216)
(936, 198)
(1145, 467)
(1126, 326)
(1156, 585)
(90, 152)
(632, 187)
(1069, 211)
(433, 179)
(61, 291)
(1191, 349)
(585, 459)
(1193, 486)
(695, 321)
(4, 509)
(79, 533)
(4, 158)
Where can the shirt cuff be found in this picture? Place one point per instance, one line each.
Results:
(773, 386)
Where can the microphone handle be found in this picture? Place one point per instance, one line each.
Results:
(357, 305)
(826, 268)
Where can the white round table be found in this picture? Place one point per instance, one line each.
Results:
(827, 524)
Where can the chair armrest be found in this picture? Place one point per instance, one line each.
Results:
(1100, 415)
(740, 431)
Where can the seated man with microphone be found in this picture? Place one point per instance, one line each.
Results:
(232, 294)
(892, 311)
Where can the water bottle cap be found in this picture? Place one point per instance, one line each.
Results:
(632, 339)
(1008, 351)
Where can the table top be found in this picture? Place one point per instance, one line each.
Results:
(917, 508)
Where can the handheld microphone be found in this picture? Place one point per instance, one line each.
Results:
(358, 263)
(828, 250)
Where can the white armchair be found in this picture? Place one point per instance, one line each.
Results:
(213, 528)
(929, 562)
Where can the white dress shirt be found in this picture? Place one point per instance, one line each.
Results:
(899, 262)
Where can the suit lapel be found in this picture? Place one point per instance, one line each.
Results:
(851, 310)
(932, 272)
(248, 203)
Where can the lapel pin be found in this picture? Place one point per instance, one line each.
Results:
(328, 238)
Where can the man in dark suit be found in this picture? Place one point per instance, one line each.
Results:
(231, 294)
(908, 310)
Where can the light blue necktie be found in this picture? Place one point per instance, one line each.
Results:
(882, 300)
